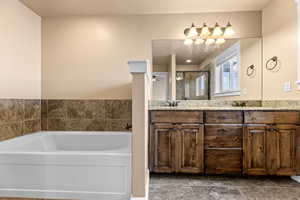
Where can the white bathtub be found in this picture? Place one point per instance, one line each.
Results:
(67, 165)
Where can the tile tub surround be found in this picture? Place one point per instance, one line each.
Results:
(86, 115)
(19, 117)
(170, 187)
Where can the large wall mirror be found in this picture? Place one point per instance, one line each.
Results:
(229, 71)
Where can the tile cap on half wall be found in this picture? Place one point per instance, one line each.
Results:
(139, 66)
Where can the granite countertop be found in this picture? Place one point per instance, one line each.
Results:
(290, 108)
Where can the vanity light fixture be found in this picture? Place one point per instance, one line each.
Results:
(220, 41)
(199, 41)
(208, 35)
(229, 30)
(193, 31)
(188, 41)
(179, 76)
(210, 41)
(217, 31)
(205, 31)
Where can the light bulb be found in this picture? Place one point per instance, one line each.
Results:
(205, 31)
(188, 61)
(193, 31)
(210, 41)
(188, 41)
(217, 31)
(229, 30)
(220, 41)
(199, 41)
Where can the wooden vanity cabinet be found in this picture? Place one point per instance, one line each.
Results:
(162, 148)
(176, 143)
(223, 139)
(189, 146)
(270, 145)
(225, 142)
(176, 148)
(270, 150)
(255, 150)
(285, 151)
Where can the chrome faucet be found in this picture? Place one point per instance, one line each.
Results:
(172, 103)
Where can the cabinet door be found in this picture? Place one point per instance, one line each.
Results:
(161, 159)
(190, 149)
(255, 150)
(286, 149)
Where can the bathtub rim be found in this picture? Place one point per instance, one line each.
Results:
(53, 133)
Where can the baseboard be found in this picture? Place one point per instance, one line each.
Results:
(147, 189)
(296, 178)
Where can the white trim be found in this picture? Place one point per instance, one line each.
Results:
(225, 94)
(139, 66)
(56, 194)
(147, 189)
(234, 50)
(296, 178)
(147, 185)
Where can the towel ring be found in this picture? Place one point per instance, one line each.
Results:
(250, 70)
(273, 60)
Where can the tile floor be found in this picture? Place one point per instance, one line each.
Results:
(170, 187)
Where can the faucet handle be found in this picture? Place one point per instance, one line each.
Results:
(169, 103)
(176, 103)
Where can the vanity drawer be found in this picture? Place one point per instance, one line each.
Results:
(223, 136)
(223, 161)
(227, 117)
(270, 117)
(177, 117)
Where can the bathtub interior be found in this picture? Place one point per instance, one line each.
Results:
(106, 142)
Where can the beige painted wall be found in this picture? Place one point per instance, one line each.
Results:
(160, 68)
(280, 39)
(251, 87)
(140, 98)
(20, 51)
(85, 57)
(187, 68)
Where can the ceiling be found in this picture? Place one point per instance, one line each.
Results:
(130, 7)
(162, 49)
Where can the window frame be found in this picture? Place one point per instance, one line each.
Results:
(221, 59)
